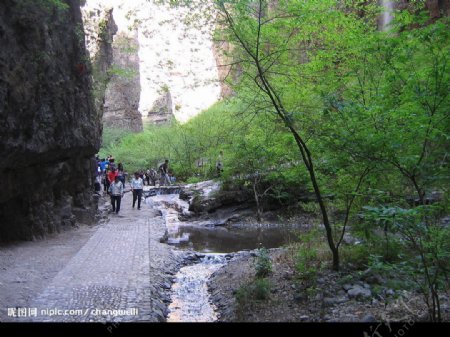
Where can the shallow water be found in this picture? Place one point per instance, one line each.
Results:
(190, 297)
(190, 300)
(228, 240)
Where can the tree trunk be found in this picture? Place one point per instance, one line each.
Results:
(258, 204)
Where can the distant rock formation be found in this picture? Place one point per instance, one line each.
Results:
(114, 55)
(50, 129)
(171, 55)
(161, 112)
(121, 109)
(99, 28)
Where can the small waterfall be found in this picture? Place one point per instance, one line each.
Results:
(162, 190)
(386, 17)
(190, 297)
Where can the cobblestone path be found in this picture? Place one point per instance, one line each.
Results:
(122, 274)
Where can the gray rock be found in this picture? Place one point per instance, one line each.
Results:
(121, 108)
(329, 301)
(318, 297)
(445, 221)
(342, 300)
(359, 292)
(161, 111)
(302, 297)
(350, 318)
(368, 319)
(347, 287)
(389, 292)
(375, 279)
(349, 239)
(166, 285)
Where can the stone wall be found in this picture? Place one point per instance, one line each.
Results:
(49, 127)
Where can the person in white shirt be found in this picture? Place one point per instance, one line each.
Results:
(137, 185)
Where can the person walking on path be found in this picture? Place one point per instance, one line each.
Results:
(164, 170)
(112, 175)
(116, 192)
(137, 185)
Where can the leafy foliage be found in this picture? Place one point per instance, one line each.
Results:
(263, 264)
(424, 254)
(324, 101)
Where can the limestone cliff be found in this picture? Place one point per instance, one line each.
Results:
(49, 127)
(121, 108)
(173, 72)
(99, 29)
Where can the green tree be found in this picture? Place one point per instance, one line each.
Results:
(272, 45)
(392, 108)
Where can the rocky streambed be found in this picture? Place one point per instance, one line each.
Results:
(220, 240)
(345, 296)
(210, 232)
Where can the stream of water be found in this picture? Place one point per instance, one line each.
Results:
(190, 297)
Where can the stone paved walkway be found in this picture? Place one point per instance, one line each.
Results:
(123, 273)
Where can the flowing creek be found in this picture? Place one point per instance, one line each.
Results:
(190, 297)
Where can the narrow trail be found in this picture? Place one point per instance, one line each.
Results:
(122, 273)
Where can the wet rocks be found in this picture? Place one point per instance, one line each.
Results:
(207, 197)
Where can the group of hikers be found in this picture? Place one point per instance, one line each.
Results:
(113, 179)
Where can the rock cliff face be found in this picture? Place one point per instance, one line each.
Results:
(121, 109)
(173, 72)
(436, 9)
(49, 127)
(99, 29)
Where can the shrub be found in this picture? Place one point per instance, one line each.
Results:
(263, 264)
(356, 254)
(258, 290)
(261, 289)
(423, 250)
(309, 256)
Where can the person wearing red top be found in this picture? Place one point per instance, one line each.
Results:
(112, 175)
